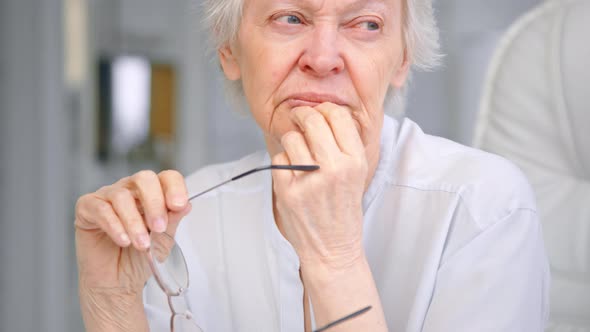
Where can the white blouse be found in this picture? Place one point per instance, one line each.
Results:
(451, 234)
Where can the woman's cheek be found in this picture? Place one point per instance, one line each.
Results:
(363, 126)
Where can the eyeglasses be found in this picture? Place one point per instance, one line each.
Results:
(170, 270)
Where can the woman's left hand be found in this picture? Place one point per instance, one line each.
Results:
(320, 213)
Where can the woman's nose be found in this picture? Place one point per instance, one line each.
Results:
(322, 56)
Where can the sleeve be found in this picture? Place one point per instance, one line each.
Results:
(498, 281)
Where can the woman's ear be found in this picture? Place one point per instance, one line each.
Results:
(398, 80)
(229, 63)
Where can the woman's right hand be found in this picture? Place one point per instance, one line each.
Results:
(112, 233)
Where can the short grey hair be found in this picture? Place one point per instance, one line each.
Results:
(421, 37)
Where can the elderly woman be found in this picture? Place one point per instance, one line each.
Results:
(432, 235)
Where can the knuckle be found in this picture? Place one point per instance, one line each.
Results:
(290, 138)
(143, 176)
(154, 207)
(313, 119)
(170, 173)
(338, 114)
(120, 195)
(103, 209)
(121, 182)
(103, 190)
(82, 206)
(82, 202)
(111, 224)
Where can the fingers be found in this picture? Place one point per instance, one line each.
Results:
(161, 245)
(329, 129)
(123, 204)
(343, 127)
(318, 133)
(296, 149)
(174, 190)
(147, 188)
(93, 213)
(132, 207)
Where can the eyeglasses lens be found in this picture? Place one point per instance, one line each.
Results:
(169, 262)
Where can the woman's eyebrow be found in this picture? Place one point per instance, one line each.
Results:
(346, 5)
(377, 5)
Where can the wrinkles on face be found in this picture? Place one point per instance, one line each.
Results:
(370, 101)
(319, 50)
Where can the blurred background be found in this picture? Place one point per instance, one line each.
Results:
(93, 90)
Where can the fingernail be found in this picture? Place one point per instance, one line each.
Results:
(124, 239)
(178, 201)
(143, 240)
(159, 225)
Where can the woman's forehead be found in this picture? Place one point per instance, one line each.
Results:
(327, 5)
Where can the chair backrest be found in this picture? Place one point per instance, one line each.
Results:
(536, 112)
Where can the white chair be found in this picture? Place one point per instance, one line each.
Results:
(536, 112)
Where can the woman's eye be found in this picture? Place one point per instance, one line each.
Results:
(369, 25)
(289, 19)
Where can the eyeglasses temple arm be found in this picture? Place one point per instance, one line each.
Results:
(208, 190)
(343, 319)
(304, 168)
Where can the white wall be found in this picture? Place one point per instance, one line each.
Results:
(36, 220)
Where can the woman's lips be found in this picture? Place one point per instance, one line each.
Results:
(292, 103)
(312, 100)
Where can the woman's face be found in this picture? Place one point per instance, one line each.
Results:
(293, 53)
